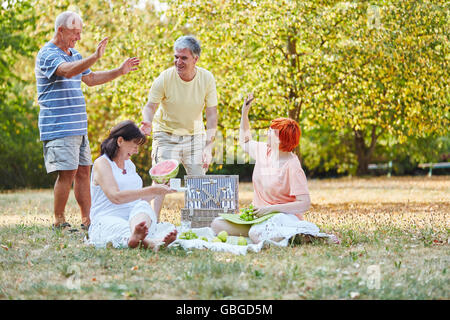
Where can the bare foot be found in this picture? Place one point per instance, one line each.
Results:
(171, 237)
(139, 234)
(334, 239)
(157, 244)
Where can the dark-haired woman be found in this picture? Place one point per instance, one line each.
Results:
(121, 213)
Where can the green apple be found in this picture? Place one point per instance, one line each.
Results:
(204, 239)
(242, 241)
(216, 240)
(223, 235)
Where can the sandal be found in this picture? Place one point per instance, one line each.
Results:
(334, 239)
(61, 226)
(301, 238)
(84, 227)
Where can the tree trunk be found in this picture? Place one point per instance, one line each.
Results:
(294, 113)
(363, 163)
(363, 152)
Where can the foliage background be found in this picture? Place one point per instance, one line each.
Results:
(367, 80)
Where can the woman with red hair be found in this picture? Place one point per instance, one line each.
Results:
(279, 184)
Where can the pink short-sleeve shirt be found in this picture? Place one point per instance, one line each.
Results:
(274, 184)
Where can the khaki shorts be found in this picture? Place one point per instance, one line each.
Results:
(186, 149)
(67, 153)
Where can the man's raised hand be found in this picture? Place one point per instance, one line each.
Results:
(129, 65)
(101, 48)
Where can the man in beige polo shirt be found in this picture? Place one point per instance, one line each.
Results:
(183, 91)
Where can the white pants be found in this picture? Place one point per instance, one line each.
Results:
(282, 226)
(116, 229)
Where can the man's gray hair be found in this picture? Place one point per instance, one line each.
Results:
(188, 42)
(67, 19)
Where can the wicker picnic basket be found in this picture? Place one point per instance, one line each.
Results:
(207, 196)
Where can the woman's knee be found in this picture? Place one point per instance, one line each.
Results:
(217, 225)
(140, 217)
(253, 235)
(256, 236)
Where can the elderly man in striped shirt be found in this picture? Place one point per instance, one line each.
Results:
(62, 117)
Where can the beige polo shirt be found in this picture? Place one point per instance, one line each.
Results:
(182, 102)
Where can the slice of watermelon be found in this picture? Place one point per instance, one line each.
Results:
(164, 171)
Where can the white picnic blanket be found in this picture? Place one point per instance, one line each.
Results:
(281, 225)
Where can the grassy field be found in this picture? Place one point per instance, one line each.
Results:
(394, 233)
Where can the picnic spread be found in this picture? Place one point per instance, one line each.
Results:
(211, 196)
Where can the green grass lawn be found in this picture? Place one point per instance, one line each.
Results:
(394, 233)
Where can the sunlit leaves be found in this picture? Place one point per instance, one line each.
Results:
(337, 67)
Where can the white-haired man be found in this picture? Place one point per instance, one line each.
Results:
(183, 91)
(62, 117)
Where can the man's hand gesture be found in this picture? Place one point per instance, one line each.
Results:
(129, 65)
(101, 48)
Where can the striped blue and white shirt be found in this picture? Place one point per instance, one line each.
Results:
(62, 105)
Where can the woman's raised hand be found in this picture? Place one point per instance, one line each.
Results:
(247, 103)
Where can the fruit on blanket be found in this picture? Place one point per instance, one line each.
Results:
(247, 213)
(163, 171)
(188, 235)
(223, 235)
(204, 239)
(242, 241)
(216, 240)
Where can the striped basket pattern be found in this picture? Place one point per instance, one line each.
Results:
(207, 196)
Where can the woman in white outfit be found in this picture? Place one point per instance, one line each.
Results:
(279, 184)
(121, 213)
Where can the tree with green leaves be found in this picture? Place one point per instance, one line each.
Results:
(20, 152)
(367, 81)
(364, 71)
